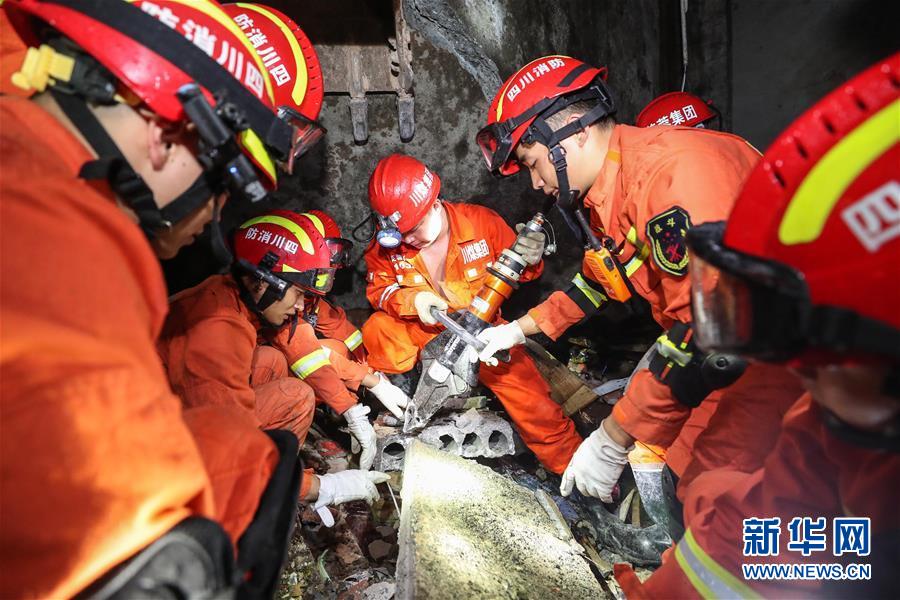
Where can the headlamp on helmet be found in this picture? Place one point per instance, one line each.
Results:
(388, 235)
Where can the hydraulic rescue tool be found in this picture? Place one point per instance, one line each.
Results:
(446, 367)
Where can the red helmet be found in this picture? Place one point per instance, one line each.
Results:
(539, 89)
(676, 108)
(151, 49)
(806, 268)
(401, 190)
(293, 67)
(337, 244)
(285, 245)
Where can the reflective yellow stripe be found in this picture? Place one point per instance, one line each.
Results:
(708, 577)
(261, 158)
(641, 254)
(354, 340)
(302, 236)
(299, 91)
(810, 207)
(593, 295)
(310, 363)
(672, 352)
(316, 221)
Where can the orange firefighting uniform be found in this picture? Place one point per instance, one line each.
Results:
(646, 174)
(209, 348)
(809, 473)
(96, 461)
(393, 335)
(332, 323)
(323, 364)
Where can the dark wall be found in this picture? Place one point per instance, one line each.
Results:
(786, 55)
(462, 49)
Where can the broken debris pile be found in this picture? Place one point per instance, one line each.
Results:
(467, 532)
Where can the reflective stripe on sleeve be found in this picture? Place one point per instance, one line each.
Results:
(354, 340)
(596, 298)
(387, 293)
(309, 364)
(641, 254)
(710, 579)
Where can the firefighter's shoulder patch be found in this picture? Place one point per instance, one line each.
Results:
(666, 233)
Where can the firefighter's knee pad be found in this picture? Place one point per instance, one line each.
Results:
(689, 372)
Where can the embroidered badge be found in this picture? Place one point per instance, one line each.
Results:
(667, 232)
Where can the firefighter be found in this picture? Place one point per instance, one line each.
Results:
(102, 168)
(339, 342)
(431, 253)
(680, 108)
(804, 274)
(644, 189)
(210, 347)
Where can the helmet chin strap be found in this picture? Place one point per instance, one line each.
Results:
(567, 200)
(128, 185)
(275, 290)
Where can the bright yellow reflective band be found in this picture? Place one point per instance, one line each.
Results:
(261, 157)
(321, 280)
(302, 237)
(299, 91)
(638, 258)
(354, 340)
(309, 364)
(709, 578)
(810, 207)
(593, 295)
(672, 352)
(316, 221)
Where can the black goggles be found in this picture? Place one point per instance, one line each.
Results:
(496, 139)
(340, 251)
(316, 281)
(744, 304)
(306, 133)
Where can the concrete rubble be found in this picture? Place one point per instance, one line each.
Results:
(474, 433)
(467, 532)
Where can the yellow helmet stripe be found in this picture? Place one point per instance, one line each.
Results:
(320, 227)
(302, 236)
(250, 142)
(506, 89)
(824, 185)
(300, 82)
(213, 11)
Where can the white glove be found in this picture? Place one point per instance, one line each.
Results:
(363, 433)
(530, 245)
(423, 302)
(337, 488)
(501, 337)
(390, 396)
(595, 466)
